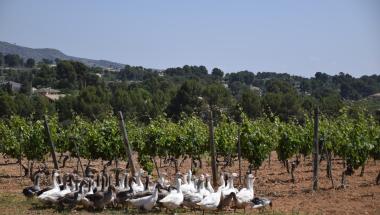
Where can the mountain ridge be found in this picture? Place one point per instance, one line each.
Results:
(50, 53)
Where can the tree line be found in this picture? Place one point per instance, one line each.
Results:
(144, 94)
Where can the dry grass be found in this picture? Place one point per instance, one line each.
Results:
(362, 196)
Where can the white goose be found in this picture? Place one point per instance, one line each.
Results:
(147, 202)
(55, 194)
(121, 186)
(162, 181)
(191, 199)
(230, 186)
(175, 198)
(139, 186)
(208, 185)
(245, 195)
(211, 202)
(54, 189)
(222, 182)
(188, 186)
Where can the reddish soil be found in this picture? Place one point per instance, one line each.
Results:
(362, 195)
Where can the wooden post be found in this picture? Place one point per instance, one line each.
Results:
(212, 150)
(156, 166)
(52, 147)
(315, 152)
(127, 146)
(79, 161)
(239, 154)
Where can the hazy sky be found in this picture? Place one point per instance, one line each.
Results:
(293, 36)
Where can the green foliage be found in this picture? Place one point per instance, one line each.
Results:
(258, 139)
(217, 73)
(290, 141)
(9, 138)
(193, 136)
(7, 106)
(186, 100)
(226, 137)
(30, 63)
(36, 147)
(93, 102)
(251, 103)
(146, 163)
(13, 60)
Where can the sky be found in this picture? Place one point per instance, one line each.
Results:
(292, 36)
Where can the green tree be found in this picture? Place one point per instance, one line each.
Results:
(216, 95)
(217, 73)
(30, 63)
(66, 75)
(93, 102)
(186, 100)
(7, 106)
(134, 103)
(250, 101)
(42, 106)
(1, 59)
(13, 60)
(24, 105)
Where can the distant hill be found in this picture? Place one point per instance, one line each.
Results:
(52, 54)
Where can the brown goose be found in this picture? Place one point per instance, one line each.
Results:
(32, 190)
(101, 199)
(70, 200)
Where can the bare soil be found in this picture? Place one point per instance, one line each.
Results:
(361, 196)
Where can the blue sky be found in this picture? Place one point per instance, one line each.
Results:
(293, 36)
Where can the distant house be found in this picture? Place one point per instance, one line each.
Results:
(161, 73)
(375, 96)
(50, 93)
(14, 86)
(256, 89)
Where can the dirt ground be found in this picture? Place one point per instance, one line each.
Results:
(362, 195)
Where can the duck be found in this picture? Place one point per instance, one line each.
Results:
(175, 198)
(100, 199)
(32, 190)
(260, 202)
(245, 195)
(147, 202)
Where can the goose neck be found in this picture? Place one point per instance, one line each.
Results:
(55, 182)
(179, 185)
(37, 181)
(250, 184)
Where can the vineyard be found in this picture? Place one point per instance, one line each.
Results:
(354, 139)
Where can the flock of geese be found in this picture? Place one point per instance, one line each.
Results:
(97, 193)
